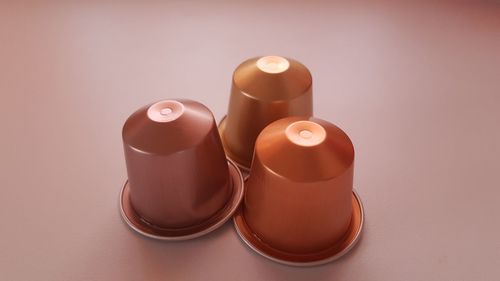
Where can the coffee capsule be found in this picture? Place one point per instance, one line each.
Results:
(299, 206)
(264, 89)
(180, 184)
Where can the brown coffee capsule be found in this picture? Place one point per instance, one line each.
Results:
(264, 89)
(180, 184)
(300, 208)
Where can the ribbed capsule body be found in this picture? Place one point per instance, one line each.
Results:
(260, 94)
(176, 166)
(299, 194)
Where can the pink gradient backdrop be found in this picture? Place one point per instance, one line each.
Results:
(415, 85)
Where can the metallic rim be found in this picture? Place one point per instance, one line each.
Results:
(316, 262)
(238, 191)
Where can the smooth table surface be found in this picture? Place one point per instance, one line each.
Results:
(415, 85)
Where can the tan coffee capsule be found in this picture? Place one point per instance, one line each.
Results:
(299, 207)
(264, 89)
(180, 184)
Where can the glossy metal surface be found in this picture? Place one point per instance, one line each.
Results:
(264, 89)
(414, 84)
(135, 221)
(245, 170)
(336, 251)
(299, 196)
(178, 177)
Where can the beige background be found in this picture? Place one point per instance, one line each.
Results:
(416, 86)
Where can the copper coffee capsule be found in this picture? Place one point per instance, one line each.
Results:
(264, 89)
(180, 184)
(300, 207)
